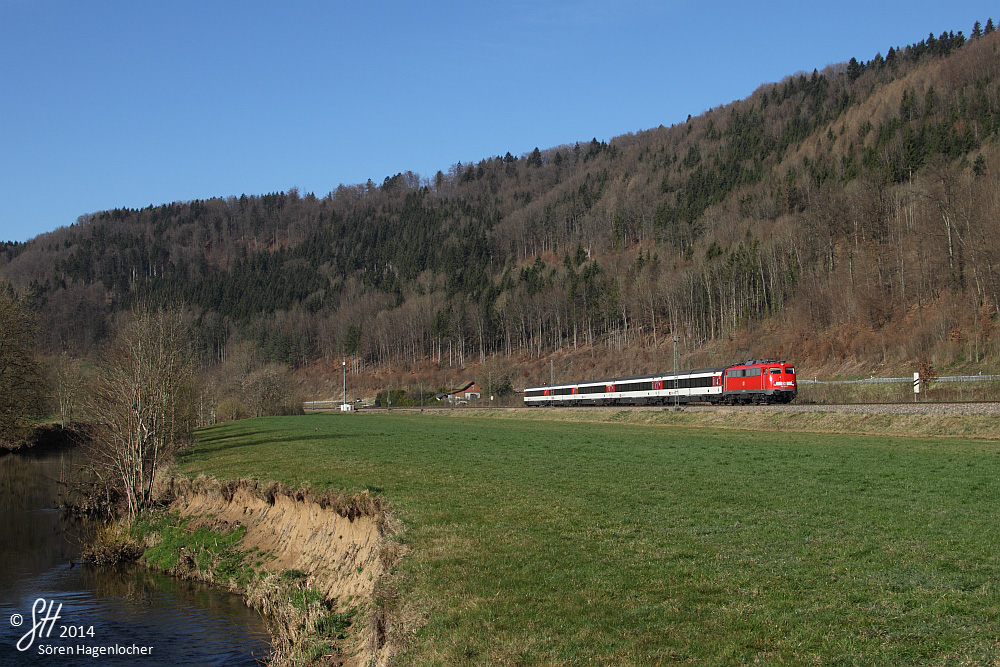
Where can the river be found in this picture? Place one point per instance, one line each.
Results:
(100, 615)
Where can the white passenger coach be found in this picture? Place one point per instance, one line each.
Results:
(703, 385)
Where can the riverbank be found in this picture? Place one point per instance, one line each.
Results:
(44, 437)
(313, 564)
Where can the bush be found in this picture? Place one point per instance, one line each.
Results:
(231, 409)
(112, 544)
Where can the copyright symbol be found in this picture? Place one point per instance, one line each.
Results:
(16, 620)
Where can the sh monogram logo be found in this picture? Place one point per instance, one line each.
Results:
(38, 624)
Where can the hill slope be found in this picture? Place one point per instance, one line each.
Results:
(839, 215)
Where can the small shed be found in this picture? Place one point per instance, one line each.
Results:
(468, 390)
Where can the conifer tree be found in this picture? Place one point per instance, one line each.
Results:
(854, 69)
(535, 159)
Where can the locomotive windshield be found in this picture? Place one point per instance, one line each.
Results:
(790, 370)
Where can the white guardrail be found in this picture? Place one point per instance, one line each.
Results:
(909, 380)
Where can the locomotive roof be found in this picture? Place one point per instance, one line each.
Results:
(758, 362)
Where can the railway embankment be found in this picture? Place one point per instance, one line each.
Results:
(967, 420)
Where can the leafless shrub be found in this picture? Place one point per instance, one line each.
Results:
(141, 402)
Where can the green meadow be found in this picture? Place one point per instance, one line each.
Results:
(543, 542)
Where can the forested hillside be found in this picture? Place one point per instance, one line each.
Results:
(843, 214)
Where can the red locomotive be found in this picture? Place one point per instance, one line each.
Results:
(768, 381)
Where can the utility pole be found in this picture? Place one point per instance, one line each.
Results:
(552, 373)
(343, 364)
(675, 373)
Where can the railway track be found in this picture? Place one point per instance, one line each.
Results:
(967, 407)
(959, 408)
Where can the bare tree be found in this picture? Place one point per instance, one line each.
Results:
(269, 390)
(68, 386)
(141, 403)
(943, 192)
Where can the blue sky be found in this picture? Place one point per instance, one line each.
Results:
(132, 103)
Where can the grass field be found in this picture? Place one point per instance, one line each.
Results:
(554, 542)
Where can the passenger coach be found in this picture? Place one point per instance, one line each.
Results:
(767, 381)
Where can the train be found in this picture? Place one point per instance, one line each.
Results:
(751, 382)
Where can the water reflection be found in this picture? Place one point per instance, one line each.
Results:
(184, 623)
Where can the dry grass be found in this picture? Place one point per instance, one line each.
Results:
(308, 560)
(112, 544)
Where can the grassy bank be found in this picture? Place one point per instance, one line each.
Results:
(306, 561)
(542, 541)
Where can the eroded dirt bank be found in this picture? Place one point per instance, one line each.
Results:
(313, 563)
